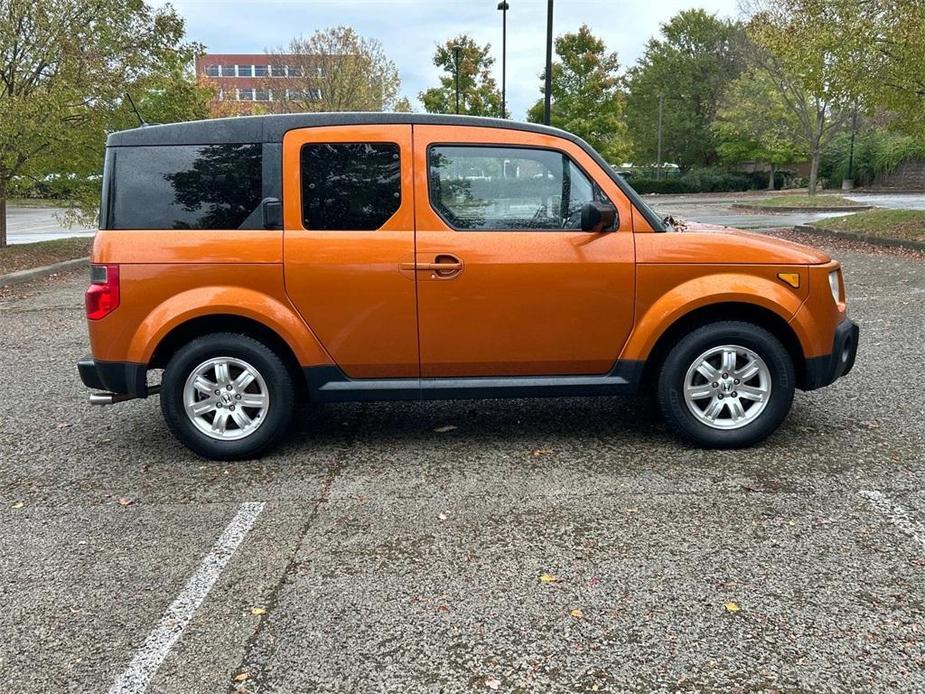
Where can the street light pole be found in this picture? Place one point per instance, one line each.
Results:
(548, 95)
(503, 6)
(658, 155)
(456, 50)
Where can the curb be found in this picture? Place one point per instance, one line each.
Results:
(768, 208)
(865, 238)
(37, 272)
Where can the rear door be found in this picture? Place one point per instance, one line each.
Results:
(349, 244)
(508, 283)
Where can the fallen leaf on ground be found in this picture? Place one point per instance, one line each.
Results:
(125, 501)
(732, 607)
(257, 611)
(240, 677)
(542, 451)
(577, 613)
(548, 578)
(441, 516)
(444, 429)
(19, 504)
(492, 683)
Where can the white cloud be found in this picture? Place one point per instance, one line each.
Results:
(410, 29)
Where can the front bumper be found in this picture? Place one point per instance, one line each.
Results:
(114, 376)
(821, 371)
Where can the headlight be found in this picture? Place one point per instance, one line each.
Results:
(835, 285)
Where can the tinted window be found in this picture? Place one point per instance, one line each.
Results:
(508, 188)
(350, 187)
(186, 187)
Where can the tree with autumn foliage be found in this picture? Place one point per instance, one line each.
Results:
(587, 94)
(65, 70)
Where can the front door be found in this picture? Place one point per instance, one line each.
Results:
(349, 244)
(508, 284)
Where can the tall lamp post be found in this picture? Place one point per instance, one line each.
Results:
(548, 96)
(456, 49)
(503, 6)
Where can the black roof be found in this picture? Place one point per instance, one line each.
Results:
(271, 128)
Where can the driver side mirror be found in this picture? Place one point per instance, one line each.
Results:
(599, 216)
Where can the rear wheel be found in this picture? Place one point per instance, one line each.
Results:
(227, 396)
(726, 385)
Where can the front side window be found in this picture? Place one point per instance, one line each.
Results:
(350, 186)
(508, 188)
(186, 187)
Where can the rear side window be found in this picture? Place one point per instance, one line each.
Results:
(508, 188)
(186, 187)
(350, 186)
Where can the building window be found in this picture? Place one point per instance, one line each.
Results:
(508, 188)
(227, 70)
(245, 70)
(261, 70)
(350, 187)
(294, 70)
(212, 70)
(278, 70)
(245, 95)
(261, 95)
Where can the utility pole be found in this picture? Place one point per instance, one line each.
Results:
(456, 50)
(658, 155)
(504, 7)
(548, 95)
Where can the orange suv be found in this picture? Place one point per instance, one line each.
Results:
(357, 257)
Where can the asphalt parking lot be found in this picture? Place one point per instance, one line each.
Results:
(548, 545)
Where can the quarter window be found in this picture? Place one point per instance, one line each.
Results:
(508, 188)
(350, 186)
(186, 187)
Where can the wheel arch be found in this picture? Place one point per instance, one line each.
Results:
(726, 311)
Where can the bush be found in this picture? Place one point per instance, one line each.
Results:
(875, 152)
(706, 181)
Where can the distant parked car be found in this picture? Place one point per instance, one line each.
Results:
(346, 257)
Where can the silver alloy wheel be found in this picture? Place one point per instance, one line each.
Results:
(727, 387)
(226, 398)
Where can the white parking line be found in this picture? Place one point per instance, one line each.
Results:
(897, 515)
(149, 657)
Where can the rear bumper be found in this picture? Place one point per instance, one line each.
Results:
(821, 371)
(114, 376)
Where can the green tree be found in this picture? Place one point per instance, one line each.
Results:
(754, 124)
(463, 59)
(65, 67)
(587, 95)
(336, 69)
(899, 35)
(819, 55)
(690, 66)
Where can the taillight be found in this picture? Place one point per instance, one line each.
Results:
(103, 294)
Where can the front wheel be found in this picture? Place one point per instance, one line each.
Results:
(227, 396)
(726, 385)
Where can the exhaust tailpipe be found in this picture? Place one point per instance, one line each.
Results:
(103, 399)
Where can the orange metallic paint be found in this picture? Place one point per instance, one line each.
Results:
(526, 303)
(523, 303)
(349, 285)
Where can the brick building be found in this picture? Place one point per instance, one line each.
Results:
(248, 82)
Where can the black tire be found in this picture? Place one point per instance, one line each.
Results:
(276, 418)
(682, 356)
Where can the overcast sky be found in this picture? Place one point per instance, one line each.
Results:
(410, 29)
